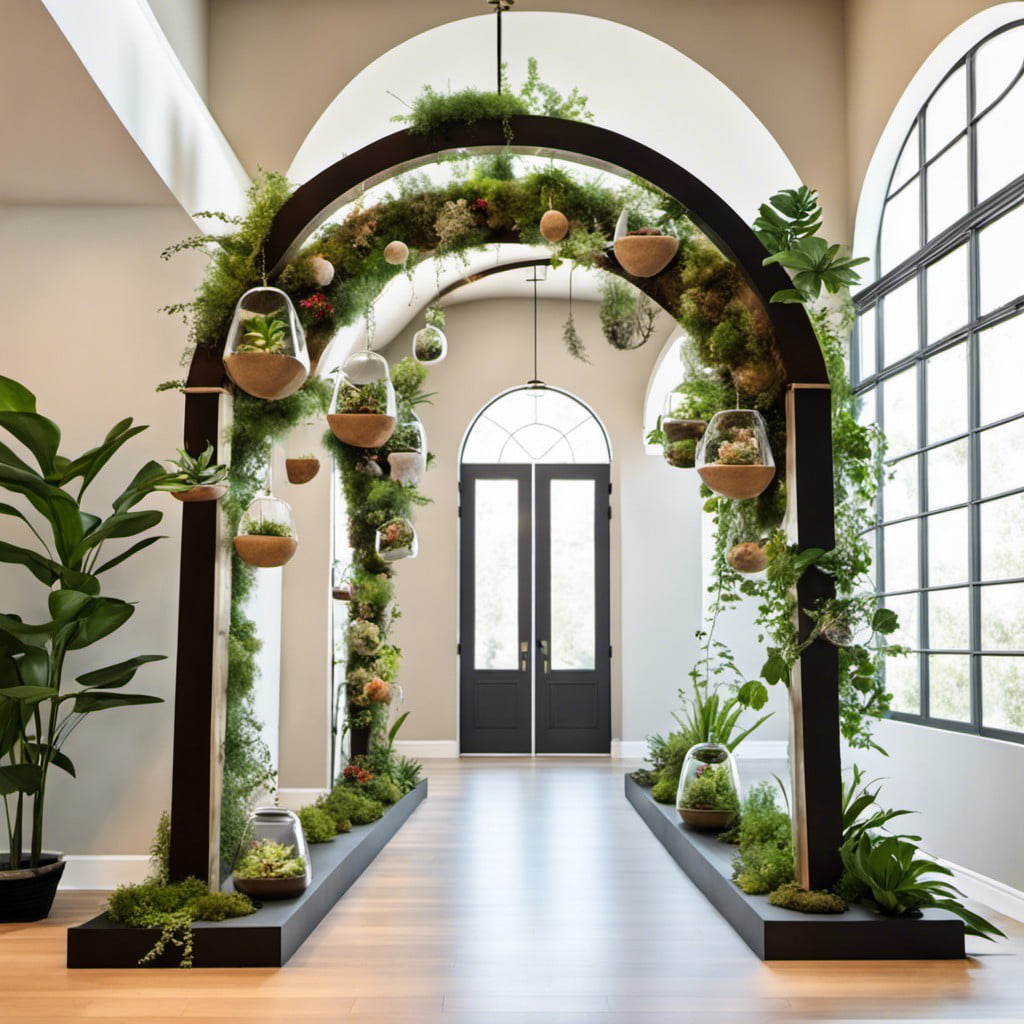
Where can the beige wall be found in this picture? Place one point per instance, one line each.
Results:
(82, 287)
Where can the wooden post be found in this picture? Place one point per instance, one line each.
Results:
(814, 684)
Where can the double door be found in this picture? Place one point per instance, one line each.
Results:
(534, 595)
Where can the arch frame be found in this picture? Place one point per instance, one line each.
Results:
(815, 750)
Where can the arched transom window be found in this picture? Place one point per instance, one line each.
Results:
(938, 360)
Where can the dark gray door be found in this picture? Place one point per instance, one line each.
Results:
(534, 627)
(573, 677)
(496, 610)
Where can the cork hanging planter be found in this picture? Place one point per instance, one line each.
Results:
(747, 557)
(202, 492)
(364, 406)
(645, 252)
(266, 535)
(302, 470)
(554, 225)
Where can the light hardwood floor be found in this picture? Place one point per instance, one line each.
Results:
(521, 891)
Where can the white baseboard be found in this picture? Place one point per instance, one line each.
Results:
(993, 893)
(748, 750)
(88, 871)
(427, 748)
(293, 799)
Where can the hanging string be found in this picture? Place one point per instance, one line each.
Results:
(500, 6)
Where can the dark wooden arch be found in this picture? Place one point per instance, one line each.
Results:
(814, 690)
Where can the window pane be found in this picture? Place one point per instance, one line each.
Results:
(1002, 553)
(900, 548)
(946, 183)
(901, 227)
(947, 548)
(947, 475)
(1002, 468)
(949, 618)
(496, 575)
(996, 64)
(908, 162)
(867, 407)
(899, 494)
(946, 113)
(946, 383)
(946, 293)
(1002, 612)
(1002, 693)
(949, 686)
(899, 398)
(999, 353)
(905, 607)
(866, 344)
(999, 248)
(573, 636)
(902, 680)
(1001, 143)
(899, 313)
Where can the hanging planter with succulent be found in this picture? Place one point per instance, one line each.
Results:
(364, 402)
(196, 479)
(429, 344)
(266, 535)
(734, 458)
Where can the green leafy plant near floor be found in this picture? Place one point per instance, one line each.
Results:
(264, 858)
(813, 901)
(318, 825)
(38, 706)
(710, 790)
(764, 858)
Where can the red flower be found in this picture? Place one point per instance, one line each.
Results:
(480, 204)
(318, 305)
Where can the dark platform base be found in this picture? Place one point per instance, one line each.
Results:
(775, 933)
(267, 938)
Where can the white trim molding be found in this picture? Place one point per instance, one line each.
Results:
(103, 871)
(428, 748)
(995, 894)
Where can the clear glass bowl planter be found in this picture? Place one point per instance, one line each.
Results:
(734, 458)
(429, 345)
(396, 539)
(363, 408)
(708, 796)
(302, 462)
(276, 825)
(407, 458)
(676, 425)
(267, 537)
(265, 354)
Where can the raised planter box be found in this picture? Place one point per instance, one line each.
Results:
(267, 938)
(775, 933)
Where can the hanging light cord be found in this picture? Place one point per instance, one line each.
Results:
(500, 6)
(535, 378)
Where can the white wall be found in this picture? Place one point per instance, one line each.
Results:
(82, 287)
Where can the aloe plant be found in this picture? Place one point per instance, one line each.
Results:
(38, 710)
(263, 334)
(194, 472)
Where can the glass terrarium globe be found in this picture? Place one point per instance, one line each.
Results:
(429, 345)
(407, 457)
(708, 796)
(363, 408)
(396, 539)
(276, 825)
(676, 422)
(302, 448)
(734, 458)
(265, 354)
(267, 537)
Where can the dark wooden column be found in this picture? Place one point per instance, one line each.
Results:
(814, 685)
(194, 789)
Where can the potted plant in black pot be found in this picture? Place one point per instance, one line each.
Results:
(39, 705)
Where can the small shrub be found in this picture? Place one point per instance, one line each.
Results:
(764, 860)
(317, 824)
(664, 790)
(384, 789)
(346, 803)
(807, 901)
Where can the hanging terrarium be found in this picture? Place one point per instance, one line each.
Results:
(645, 252)
(341, 582)
(266, 535)
(364, 401)
(407, 457)
(274, 862)
(266, 352)
(429, 344)
(708, 796)
(396, 539)
(301, 462)
(734, 458)
(681, 433)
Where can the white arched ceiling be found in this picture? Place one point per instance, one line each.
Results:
(635, 84)
(931, 72)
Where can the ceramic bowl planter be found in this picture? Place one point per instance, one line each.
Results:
(396, 539)
(196, 478)
(708, 796)
(364, 402)
(275, 865)
(734, 458)
(26, 894)
(646, 252)
(202, 492)
(407, 459)
(266, 352)
(301, 470)
(266, 536)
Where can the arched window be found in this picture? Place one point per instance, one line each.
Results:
(937, 360)
(536, 425)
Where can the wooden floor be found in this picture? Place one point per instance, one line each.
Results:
(521, 891)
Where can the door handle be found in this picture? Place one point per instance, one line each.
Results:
(544, 652)
(524, 655)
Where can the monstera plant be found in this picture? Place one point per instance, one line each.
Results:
(39, 706)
